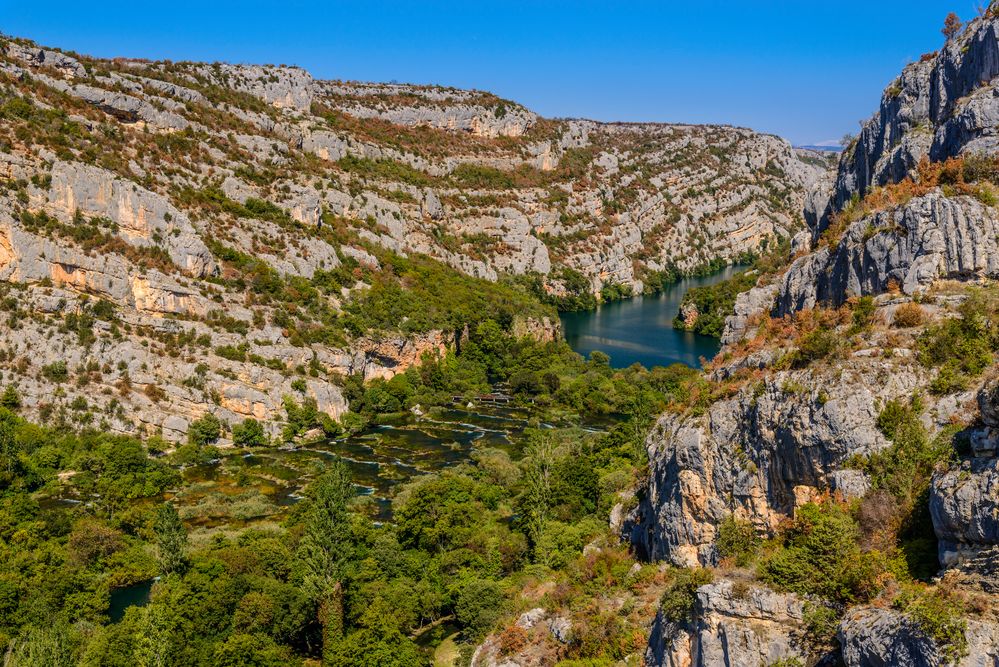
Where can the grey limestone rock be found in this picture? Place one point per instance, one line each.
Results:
(39, 57)
(964, 504)
(930, 238)
(142, 216)
(875, 637)
(760, 454)
(734, 625)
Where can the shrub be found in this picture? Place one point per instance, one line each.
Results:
(819, 555)
(677, 601)
(152, 391)
(896, 415)
(249, 433)
(204, 431)
(863, 313)
(939, 616)
(961, 347)
(11, 398)
(737, 540)
(821, 624)
(816, 345)
(909, 314)
(56, 371)
(480, 177)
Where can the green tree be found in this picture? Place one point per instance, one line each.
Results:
(244, 650)
(48, 646)
(438, 512)
(371, 648)
(11, 398)
(326, 548)
(537, 498)
(249, 433)
(204, 431)
(479, 605)
(171, 539)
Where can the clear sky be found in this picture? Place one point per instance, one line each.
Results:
(808, 70)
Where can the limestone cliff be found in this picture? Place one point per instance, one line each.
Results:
(780, 428)
(151, 192)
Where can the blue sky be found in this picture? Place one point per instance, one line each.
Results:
(806, 70)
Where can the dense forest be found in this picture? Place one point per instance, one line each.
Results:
(327, 582)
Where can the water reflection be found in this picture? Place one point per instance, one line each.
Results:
(641, 329)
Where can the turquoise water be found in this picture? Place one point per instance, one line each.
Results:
(641, 329)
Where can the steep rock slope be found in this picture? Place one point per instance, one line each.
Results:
(939, 107)
(231, 214)
(794, 403)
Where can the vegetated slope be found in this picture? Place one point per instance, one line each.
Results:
(836, 454)
(175, 236)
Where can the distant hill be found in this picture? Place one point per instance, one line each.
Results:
(816, 147)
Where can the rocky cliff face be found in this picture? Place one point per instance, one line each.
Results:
(930, 238)
(773, 445)
(871, 636)
(775, 434)
(940, 107)
(964, 500)
(615, 202)
(141, 184)
(733, 624)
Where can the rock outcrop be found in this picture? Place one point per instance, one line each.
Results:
(932, 237)
(942, 106)
(874, 637)
(760, 454)
(964, 503)
(734, 624)
(143, 218)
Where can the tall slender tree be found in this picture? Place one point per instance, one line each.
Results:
(326, 548)
(538, 492)
(171, 540)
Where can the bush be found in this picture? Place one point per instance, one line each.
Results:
(909, 314)
(960, 347)
(249, 433)
(204, 431)
(677, 602)
(819, 555)
(816, 345)
(11, 398)
(737, 540)
(863, 313)
(939, 616)
(896, 415)
(56, 371)
(821, 624)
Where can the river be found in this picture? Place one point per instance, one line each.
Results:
(640, 329)
(245, 488)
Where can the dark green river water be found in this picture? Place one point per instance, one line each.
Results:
(641, 330)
